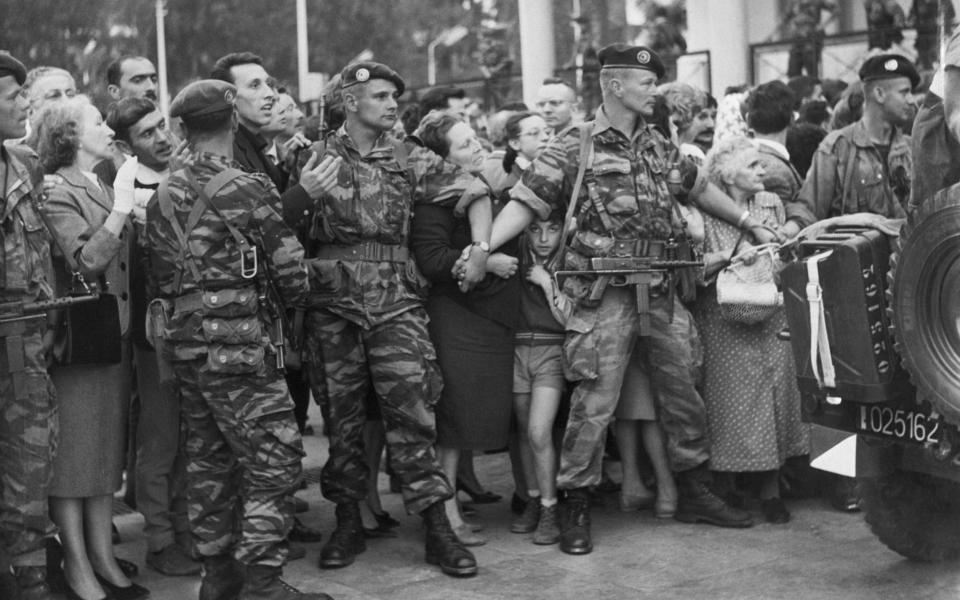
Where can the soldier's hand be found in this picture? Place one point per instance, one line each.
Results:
(502, 265)
(319, 179)
(50, 182)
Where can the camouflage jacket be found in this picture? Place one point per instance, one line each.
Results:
(628, 178)
(250, 203)
(373, 203)
(848, 175)
(26, 266)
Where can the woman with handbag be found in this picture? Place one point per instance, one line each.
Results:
(91, 231)
(749, 384)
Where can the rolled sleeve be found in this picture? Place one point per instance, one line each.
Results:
(521, 193)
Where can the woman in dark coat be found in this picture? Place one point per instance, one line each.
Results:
(472, 331)
(94, 229)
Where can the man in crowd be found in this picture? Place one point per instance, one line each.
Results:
(557, 104)
(132, 77)
(243, 448)
(692, 117)
(450, 98)
(28, 414)
(637, 211)
(366, 324)
(141, 132)
(43, 86)
(803, 26)
(255, 111)
(867, 165)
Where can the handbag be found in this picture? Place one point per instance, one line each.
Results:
(89, 332)
(749, 293)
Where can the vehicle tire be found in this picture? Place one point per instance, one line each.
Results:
(914, 514)
(924, 301)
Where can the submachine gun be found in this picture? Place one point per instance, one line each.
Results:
(12, 312)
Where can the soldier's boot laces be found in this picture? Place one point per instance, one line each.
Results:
(264, 583)
(222, 578)
(443, 548)
(346, 541)
(698, 503)
(575, 523)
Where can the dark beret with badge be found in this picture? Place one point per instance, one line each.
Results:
(888, 66)
(11, 67)
(363, 72)
(624, 56)
(203, 97)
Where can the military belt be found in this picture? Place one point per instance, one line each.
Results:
(639, 248)
(538, 338)
(364, 251)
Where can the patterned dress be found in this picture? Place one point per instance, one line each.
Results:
(749, 384)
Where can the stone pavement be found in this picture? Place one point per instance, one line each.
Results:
(820, 554)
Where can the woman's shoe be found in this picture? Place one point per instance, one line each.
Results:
(666, 504)
(478, 497)
(468, 537)
(774, 511)
(72, 595)
(131, 592)
(635, 502)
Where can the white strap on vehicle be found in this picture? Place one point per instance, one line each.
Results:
(819, 341)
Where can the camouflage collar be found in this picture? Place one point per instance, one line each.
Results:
(382, 147)
(861, 137)
(20, 183)
(601, 123)
(217, 160)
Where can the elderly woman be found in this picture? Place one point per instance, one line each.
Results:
(92, 235)
(472, 331)
(749, 387)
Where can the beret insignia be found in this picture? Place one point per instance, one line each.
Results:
(643, 57)
(891, 65)
(362, 75)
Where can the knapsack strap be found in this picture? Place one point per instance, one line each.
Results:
(586, 156)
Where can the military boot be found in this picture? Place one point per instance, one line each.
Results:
(32, 583)
(575, 522)
(443, 548)
(346, 541)
(698, 503)
(264, 583)
(222, 578)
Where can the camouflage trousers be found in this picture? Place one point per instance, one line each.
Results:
(28, 441)
(398, 359)
(243, 453)
(597, 351)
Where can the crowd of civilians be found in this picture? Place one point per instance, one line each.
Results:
(499, 344)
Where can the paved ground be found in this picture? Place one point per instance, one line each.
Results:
(820, 554)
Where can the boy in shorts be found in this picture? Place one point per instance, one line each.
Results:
(538, 381)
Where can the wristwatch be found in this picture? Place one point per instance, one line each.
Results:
(484, 246)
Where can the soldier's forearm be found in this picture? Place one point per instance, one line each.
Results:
(715, 203)
(480, 215)
(511, 221)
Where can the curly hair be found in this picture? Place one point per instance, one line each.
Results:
(58, 133)
(433, 129)
(684, 102)
(726, 158)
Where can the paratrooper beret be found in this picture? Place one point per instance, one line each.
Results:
(362, 72)
(9, 66)
(888, 66)
(624, 56)
(203, 97)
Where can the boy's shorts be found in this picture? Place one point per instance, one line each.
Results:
(537, 366)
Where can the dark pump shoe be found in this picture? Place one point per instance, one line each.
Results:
(346, 541)
(222, 578)
(264, 583)
(442, 546)
(130, 592)
(698, 503)
(575, 524)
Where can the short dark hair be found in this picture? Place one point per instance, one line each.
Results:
(438, 98)
(514, 106)
(221, 68)
(556, 81)
(802, 142)
(433, 131)
(209, 123)
(127, 112)
(770, 107)
(815, 112)
(115, 69)
(802, 87)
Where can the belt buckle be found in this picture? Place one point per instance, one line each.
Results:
(623, 248)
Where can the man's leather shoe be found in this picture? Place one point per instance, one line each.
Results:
(173, 561)
(698, 503)
(575, 525)
(303, 534)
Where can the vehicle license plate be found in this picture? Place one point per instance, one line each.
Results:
(898, 424)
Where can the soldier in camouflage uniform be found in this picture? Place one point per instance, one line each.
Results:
(28, 414)
(625, 208)
(366, 322)
(225, 265)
